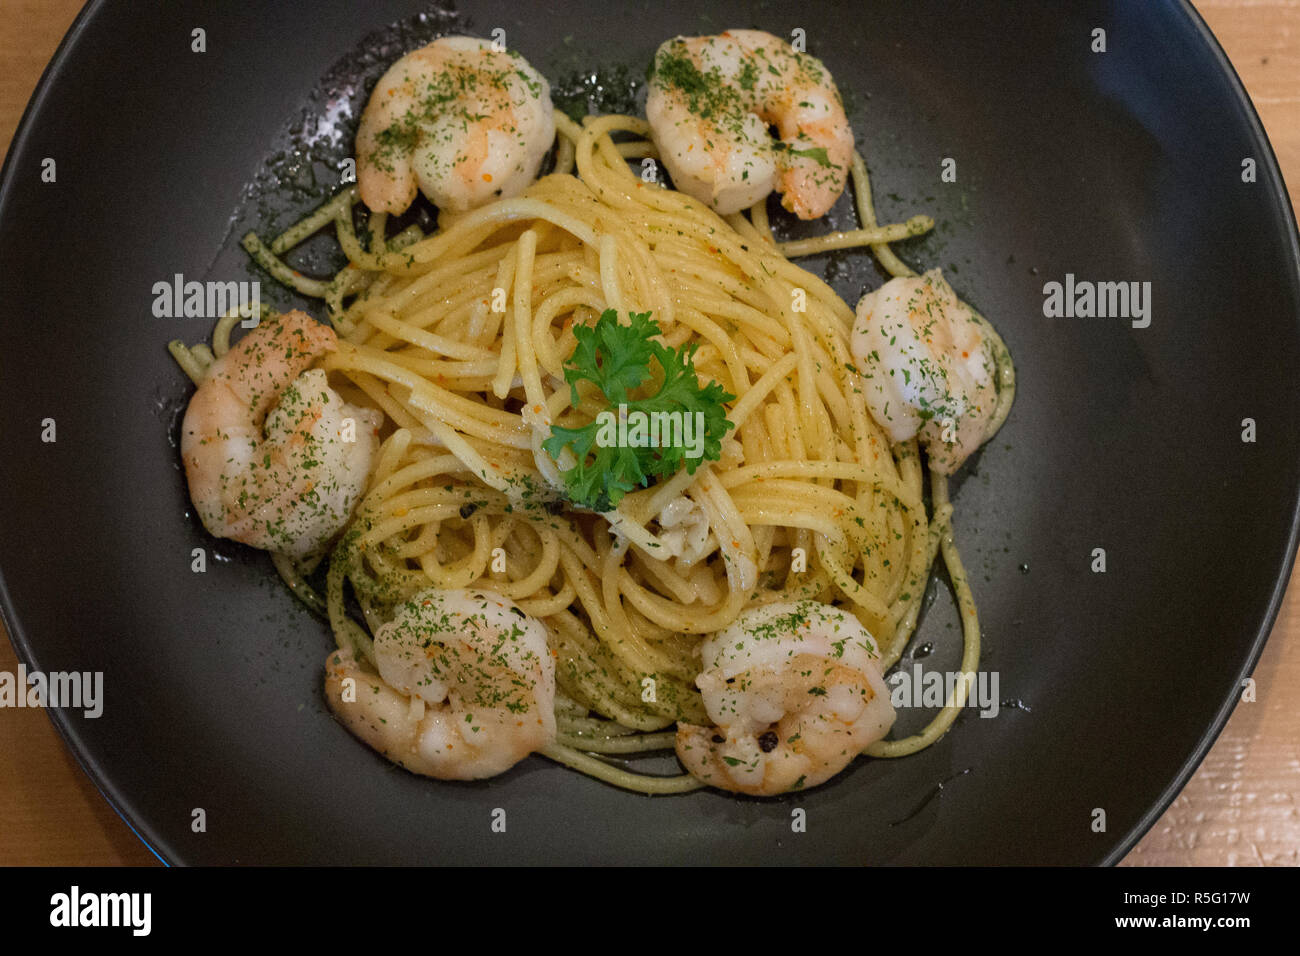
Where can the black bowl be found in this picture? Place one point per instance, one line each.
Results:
(1123, 165)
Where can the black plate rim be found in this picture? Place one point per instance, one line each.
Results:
(1246, 108)
(1279, 193)
(17, 635)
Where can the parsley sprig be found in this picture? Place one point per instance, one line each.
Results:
(616, 358)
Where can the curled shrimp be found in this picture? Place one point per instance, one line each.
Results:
(710, 104)
(795, 692)
(457, 119)
(273, 456)
(465, 687)
(927, 367)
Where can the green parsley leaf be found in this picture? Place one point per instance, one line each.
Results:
(617, 360)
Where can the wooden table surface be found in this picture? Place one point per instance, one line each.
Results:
(1241, 808)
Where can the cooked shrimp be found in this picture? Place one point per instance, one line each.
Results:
(710, 104)
(285, 478)
(465, 689)
(796, 693)
(927, 367)
(459, 120)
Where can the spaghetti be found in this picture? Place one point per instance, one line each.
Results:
(461, 337)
